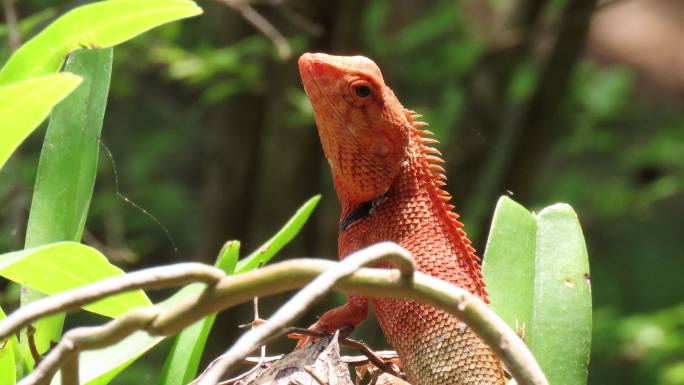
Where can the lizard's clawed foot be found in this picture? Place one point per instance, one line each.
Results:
(343, 318)
(307, 336)
(316, 331)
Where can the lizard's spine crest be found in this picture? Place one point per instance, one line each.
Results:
(433, 160)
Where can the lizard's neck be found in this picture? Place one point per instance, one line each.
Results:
(415, 212)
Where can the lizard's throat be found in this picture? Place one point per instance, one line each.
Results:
(354, 190)
(356, 210)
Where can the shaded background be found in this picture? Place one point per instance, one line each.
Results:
(545, 100)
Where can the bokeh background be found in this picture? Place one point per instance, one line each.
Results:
(577, 101)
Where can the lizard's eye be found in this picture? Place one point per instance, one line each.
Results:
(362, 91)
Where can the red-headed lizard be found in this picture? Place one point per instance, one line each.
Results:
(390, 182)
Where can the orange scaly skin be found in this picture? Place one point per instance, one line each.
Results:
(390, 184)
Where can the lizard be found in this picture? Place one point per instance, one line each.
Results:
(390, 182)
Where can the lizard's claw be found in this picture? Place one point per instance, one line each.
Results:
(306, 336)
(340, 318)
(302, 340)
(316, 331)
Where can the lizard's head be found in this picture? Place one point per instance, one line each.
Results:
(362, 126)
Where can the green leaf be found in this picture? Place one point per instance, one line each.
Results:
(266, 251)
(8, 370)
(67, 169)
(68, 160)
(25, 104)
(183, 361)
(537, 273)
(508, 265)
(101, 24)
(560, 333)
(99, 367)
(62, 266)
(228, 257)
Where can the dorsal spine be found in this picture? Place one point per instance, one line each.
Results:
(431, 160)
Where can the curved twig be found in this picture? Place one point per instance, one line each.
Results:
(233, 290)
(152, 278)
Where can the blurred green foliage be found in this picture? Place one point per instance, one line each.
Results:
(211, 133)
(652, 340)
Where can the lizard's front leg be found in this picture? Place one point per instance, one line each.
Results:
(350, 314)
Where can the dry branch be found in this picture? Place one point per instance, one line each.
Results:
(264, 26)
(12, 23)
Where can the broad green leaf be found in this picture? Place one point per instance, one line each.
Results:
(266, 251)
(8, 370)
(61, 266)
(101, 24)
(68, 159)
(67, 169)
(560, 332)
(508, 265)
(25, 104)
(183, 361)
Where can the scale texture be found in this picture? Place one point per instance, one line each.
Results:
(390, 183)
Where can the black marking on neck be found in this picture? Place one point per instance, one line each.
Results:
(364, 210)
